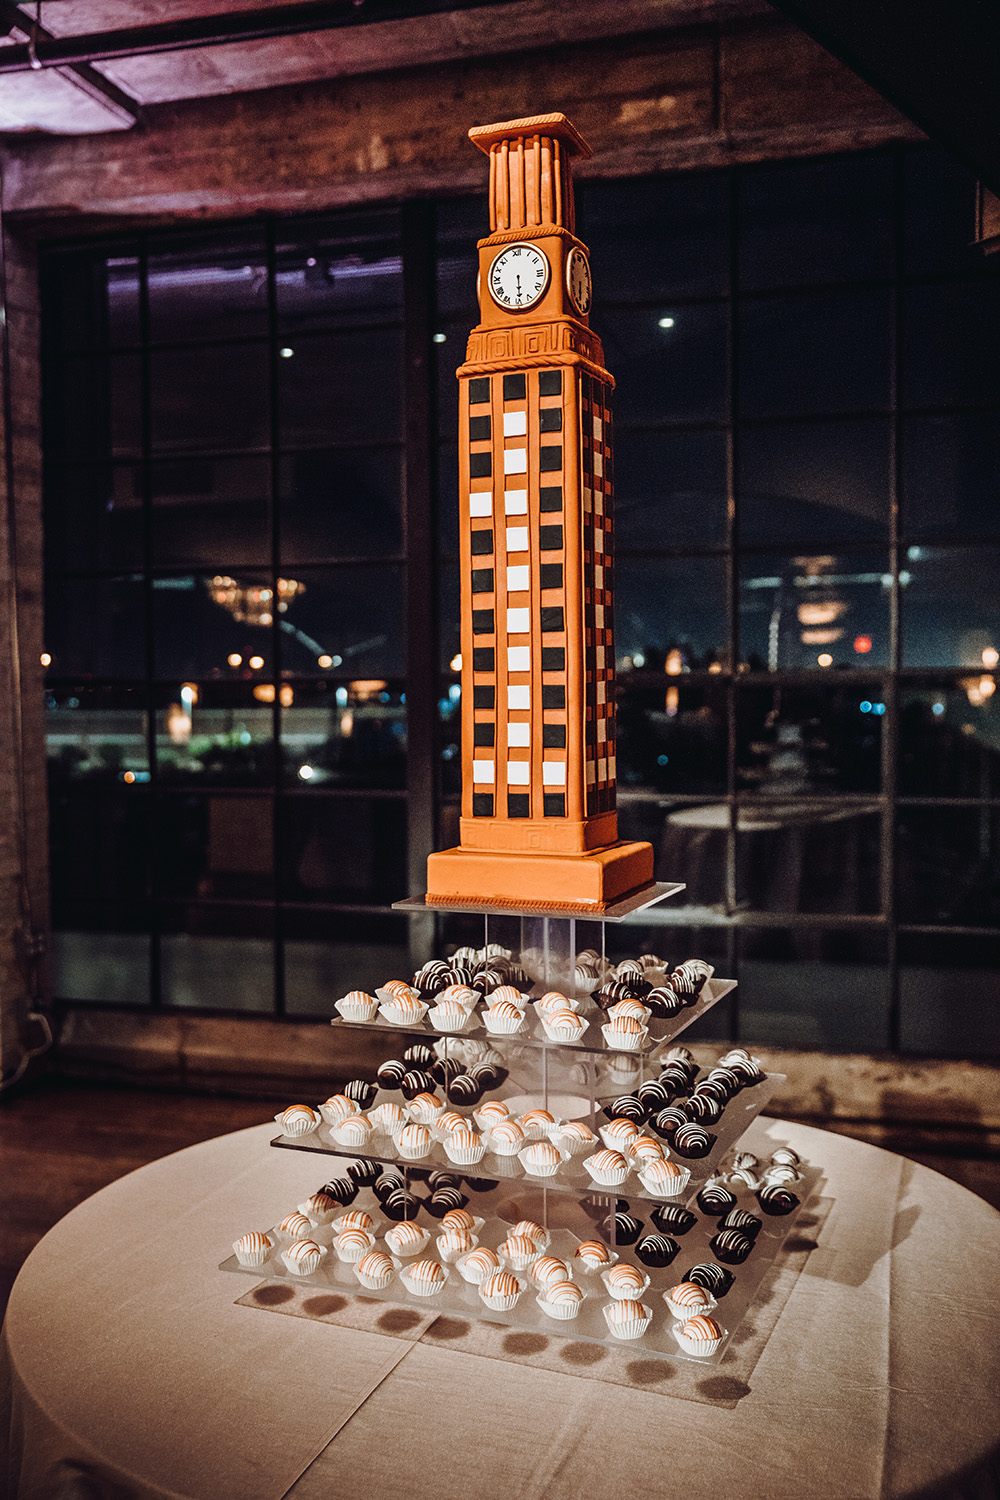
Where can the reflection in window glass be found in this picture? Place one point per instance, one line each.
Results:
(207, 285)
(670, 607)
(352, 613)
(339, 271)
(814, 989)
(100, 833)
(96, 627)
(217, 958)
(215, 398)
(950, 738)
(343, 849)
(780, 337)
(816, 221)
(348, 735)
(93, 517)
(948, 866)
(948, 605)
(216, 846)
(343, 502)
(670, 487)
(690, 845)
(800, 856)
(107, 967)
(951, 475)
(207, 512)
(671, 737)
(325, 956)
(669, 363)
(814, 481)
(950, 336)
(796, 742)
(96, 734)
(341, 388)
(215, 733)
(633, 258)
(200, 622)
(950, 995)
(822, 610)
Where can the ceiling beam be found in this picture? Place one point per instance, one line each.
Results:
(257, 24)
(81, 75)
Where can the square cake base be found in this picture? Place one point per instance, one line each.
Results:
(588, 882)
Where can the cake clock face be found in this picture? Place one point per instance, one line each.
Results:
(578, 281)
(518, 276)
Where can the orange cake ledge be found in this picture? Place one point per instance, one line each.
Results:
(588, 882)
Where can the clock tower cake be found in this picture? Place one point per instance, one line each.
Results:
(538, 827)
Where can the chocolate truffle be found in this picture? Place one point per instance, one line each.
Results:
(623, 1228)
(675, 1078)
(703, 1108)
(668, 1120)
(715, 1200)
(627, 1107)
(663, 1001)
(415, 1082)
(656, 1250)
(432, 978)
(399, 1204)
(436, 1180)
(776, 1200)
(693, 1141)
(361, 1091)
(653, 1095)
(784, 1156)
(464, 1090)
(481, 1184)
(715, 1279)
(732, 1246)
(390, 1074)
(419, 1055)
(388, 1183)
(444, 1069)
(365, 1171)
(738, 1218)
(443, 1200)
(671, 1218)
(342, 1189)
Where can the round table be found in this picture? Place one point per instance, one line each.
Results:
(130, 1372)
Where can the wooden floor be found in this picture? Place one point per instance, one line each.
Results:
(60, 1141)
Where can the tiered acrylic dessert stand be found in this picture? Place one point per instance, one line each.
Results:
(573, 1081)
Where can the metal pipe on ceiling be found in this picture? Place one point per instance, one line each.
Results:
(252, 25)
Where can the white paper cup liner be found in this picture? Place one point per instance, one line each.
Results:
(463, 1156)
(406, 1252)
(451, 1025)
(624, 1294)
(351, 1254)
(563, 1034)
(424, 1114)
(613, 1144)
(415, 1289)
(503, 1025)
(546, 1169)
(587, 1269)
(517, 1262)
(476, 1277)
(503, 1304)
(624, 1041)
(632, 1330)
(450, 1257)
(702, 1347)
(572, 1145)
(304, 1270)
(253, 1259)
(297, 1128)
(563, 1311)
(387, 997)
(667, 1190)
(348, 1139)
(607, 1178)
(351, 1011)
(315, 1217)
(412, 1153)
(402, 1018)
(683, 1313)
(500, 1147)
(378, 1283)
(537, 1130)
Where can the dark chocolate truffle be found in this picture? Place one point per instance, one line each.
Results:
(365, 1171)
(656, 1250)
(627, 1107)
(663, 1001)
(390, 1074)
(400, 1205)
(728, 1077)
(415, 1082)
(693, 1141)
(481, 1184)
(671, 1218)
(653, 1095)
(342, 1188)
(444, 1069)
(361, 1091)
(488, 1075)
(443, 1200)
(675, 1078)
(437, 1180)
(388, 1183)
(462, 974)
(715, 1279)
(464, 1090)
(626, 1228)
(419, 1055)
(668, 1120)
(432, 978)
(776, 1200)
(747, 1224)
(784, 1156)
(732, 1246)
(715, 1200)
(703, 1108)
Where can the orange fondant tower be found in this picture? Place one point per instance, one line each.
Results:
(538, 827)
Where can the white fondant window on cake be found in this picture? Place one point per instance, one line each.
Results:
(515, 461)
(553, 773)
(517, 538)
(482, 771)
(481, 504)
(517, 580)
(518, 658)
(515, 423)
(519, 735)
(518, 621)
(518, 773)
(519, 697)
(515, 502)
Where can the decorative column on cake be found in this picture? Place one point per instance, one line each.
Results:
(539, 828)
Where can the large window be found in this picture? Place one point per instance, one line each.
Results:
(807, 624)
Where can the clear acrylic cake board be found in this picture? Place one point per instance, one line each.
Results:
(571, 1176)
(649, 895)
(569, 1224)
